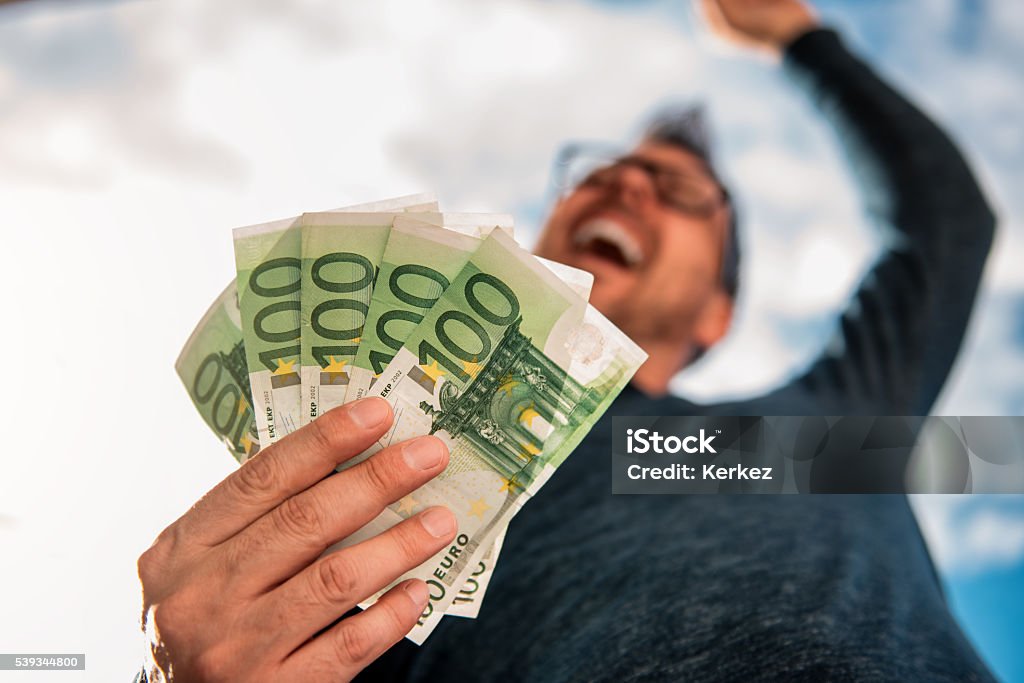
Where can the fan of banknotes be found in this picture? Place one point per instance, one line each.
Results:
(468, 336)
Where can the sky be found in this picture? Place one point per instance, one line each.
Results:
(135, 135)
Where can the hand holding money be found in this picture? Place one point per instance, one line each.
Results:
(233, 590)
(467, 336)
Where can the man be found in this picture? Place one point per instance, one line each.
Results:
(600, 587)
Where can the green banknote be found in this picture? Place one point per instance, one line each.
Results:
(340, 256)
(268, 267)
(213, 369)
(511, 369)
(470, 597)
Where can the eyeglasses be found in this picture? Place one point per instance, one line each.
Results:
(587, 164)
(591, 165)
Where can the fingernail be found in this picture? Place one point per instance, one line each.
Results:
(369, 412)
(439, 522)
(417, 592)
(422, 454)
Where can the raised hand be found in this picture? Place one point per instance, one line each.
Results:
(767, 24)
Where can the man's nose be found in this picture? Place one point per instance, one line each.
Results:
(633, 186)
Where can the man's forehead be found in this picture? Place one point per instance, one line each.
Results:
(670, 157)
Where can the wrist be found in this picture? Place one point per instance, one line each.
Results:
(793, 31)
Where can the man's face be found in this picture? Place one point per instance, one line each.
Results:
(656, 268)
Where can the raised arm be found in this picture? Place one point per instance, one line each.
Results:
(897, 340)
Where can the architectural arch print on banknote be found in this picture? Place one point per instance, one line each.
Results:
(515, 403)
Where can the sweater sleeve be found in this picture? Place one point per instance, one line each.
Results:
(897, 340)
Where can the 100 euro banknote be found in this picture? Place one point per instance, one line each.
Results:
(213, 369)
(267, 263)
(340, 255)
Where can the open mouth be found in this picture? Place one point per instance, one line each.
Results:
(608, 240)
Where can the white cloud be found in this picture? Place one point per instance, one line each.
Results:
(994, 538)
(968, 535)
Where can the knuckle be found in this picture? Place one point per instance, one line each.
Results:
(257, 478)
(149, 566)
(410, 544)
(173, 615)
(155, 562)
(241, 548)
(338, 579)
(299, 517)
(396, 623)
(169, 537)
(354, 644)
(378, 476)
(328, 432)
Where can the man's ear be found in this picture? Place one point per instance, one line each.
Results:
(714, 320)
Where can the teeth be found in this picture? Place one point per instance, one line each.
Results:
(612, 232)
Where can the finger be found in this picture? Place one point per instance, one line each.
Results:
(321, 593)
(292, 535)
(349, 647)
(293, 464)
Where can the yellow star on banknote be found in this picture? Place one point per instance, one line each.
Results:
(285, 368)
(432, 371)
(335, 368)
(529, 450)
(242, 405)
(508, 387)
(407, 505)
(530, 412)
(509, 484)
(478, 507)
(246, 443)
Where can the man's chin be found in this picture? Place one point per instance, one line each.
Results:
(613, 302)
